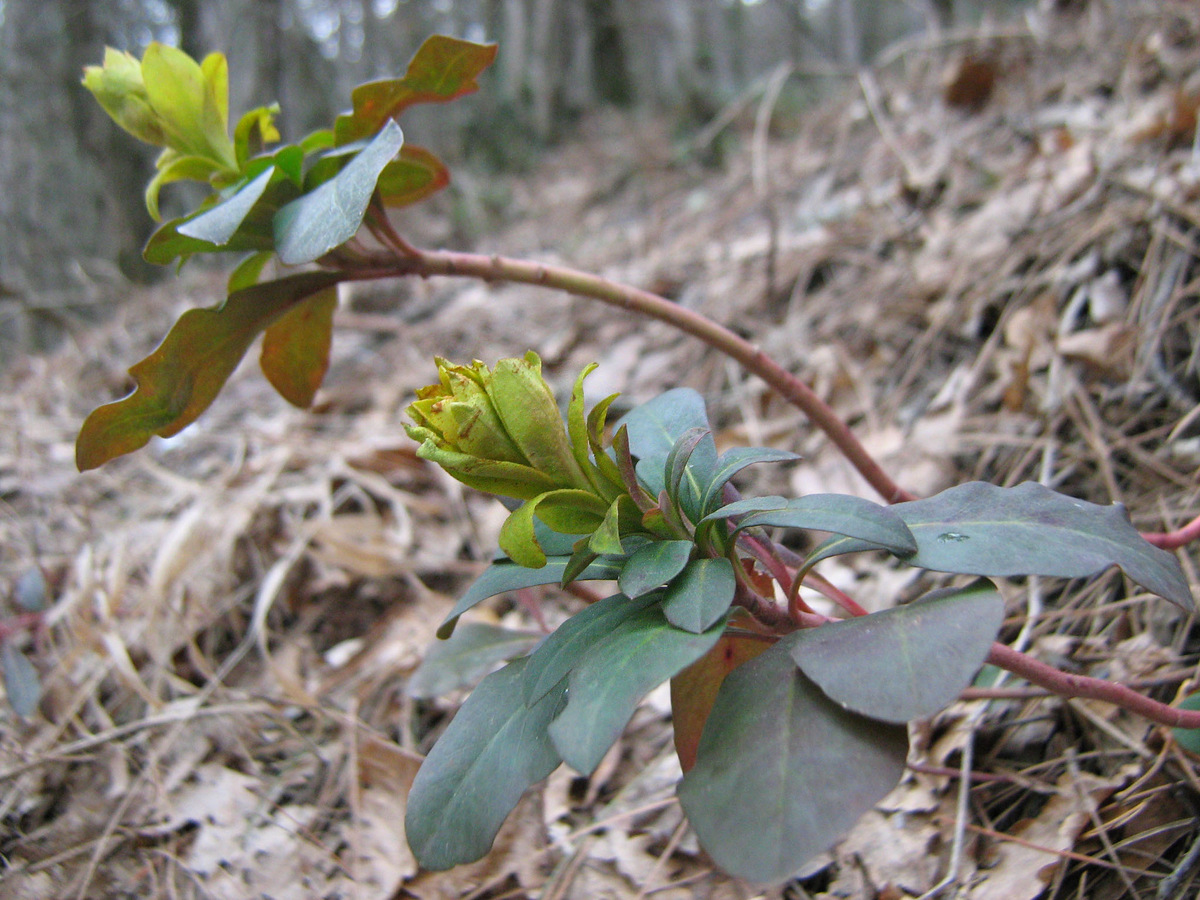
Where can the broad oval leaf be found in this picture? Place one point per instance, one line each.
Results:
(838, 513)
(567, 646)
(981, 529)
(505, 575)
(782, 771)
(442, 69)
(295, 348)
(615, 671)
(415, 175)
(494, 749)
(312, 225)
(904, 663)
(653, 566)
(179, 380)
(701, 595)
(21, 681)
(463, 659)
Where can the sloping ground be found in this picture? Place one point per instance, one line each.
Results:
(998, 286)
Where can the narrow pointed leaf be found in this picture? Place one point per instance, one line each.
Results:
(218, 224)
(566, 647)
(904, 663)
(295, 349)
(415, 175)
(653, 566)
(314, 224)
(733, 461)
(442, 69)
(504, 576)
(782, 771)
(248, 271)
(179, 380)
(607, 538)
(677, 459)
(655, 426)
(701, 595)
(614, 673)
(840, 514)
(474, 650)
(981, 529)
(495, 748)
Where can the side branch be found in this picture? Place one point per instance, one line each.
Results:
(582, 284)
(1068, 685)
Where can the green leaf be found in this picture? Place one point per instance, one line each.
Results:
(460, 661)
(417, 174)
(442, 69)
(1188, 738)
(838, 513)
(564, 649)
(21, 681)
(218, 224)
(653, 566)
(31, 590)
(504, 576)
(677, 460)
(315, 223)
(981, 529)
(567, 511)
(494, 749)
(248, 271)
(782, 771)
(733, 461)
(179, 380)
(701, 595)
(295, 349)
(611, 676)
(254, 130)
(656, 425)
(607, 538)
(172, 167)
(190, 100)
(904, 663)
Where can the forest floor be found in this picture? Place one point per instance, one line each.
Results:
(983, 255)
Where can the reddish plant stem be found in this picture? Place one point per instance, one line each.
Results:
(1173, 540)
(19, 623)
(583, 284)
(1068, 685)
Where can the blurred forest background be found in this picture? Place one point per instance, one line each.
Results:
(72, 221)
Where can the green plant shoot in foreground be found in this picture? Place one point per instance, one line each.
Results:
(789, 724)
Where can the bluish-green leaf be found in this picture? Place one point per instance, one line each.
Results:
(1188, 738)
(21, 681)
(838, 513)
(31, 590)
(656, 425)
(495, 748)
(782, 771)
(653, 566)
(701, 595)
(218, 224)
(611, 676)
(564, 649)
(981, 529)
(471, 653)
(314, 224)
(904, 663)
(733, 461)
(505, 575)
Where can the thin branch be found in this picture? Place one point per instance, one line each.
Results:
(1173, 540)
(583, 284)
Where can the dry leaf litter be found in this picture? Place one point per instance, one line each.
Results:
(983, 254)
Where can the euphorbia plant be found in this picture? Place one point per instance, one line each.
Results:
(789, 723)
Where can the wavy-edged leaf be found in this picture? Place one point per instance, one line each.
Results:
(495, 748)
(218, 224)
(417, 174)
(613, 673)
(460, 661)
(443, 69)
(21, 681)
(701, 595)
(567, 511)
(653, 566)
(504, 576)
(295, 348)
(782, 771)
(312, 225)
(179, 380)
(733, 461)
(563, 650)
(908, 662)
(694, 690)
(980, 529)
(837, 513)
